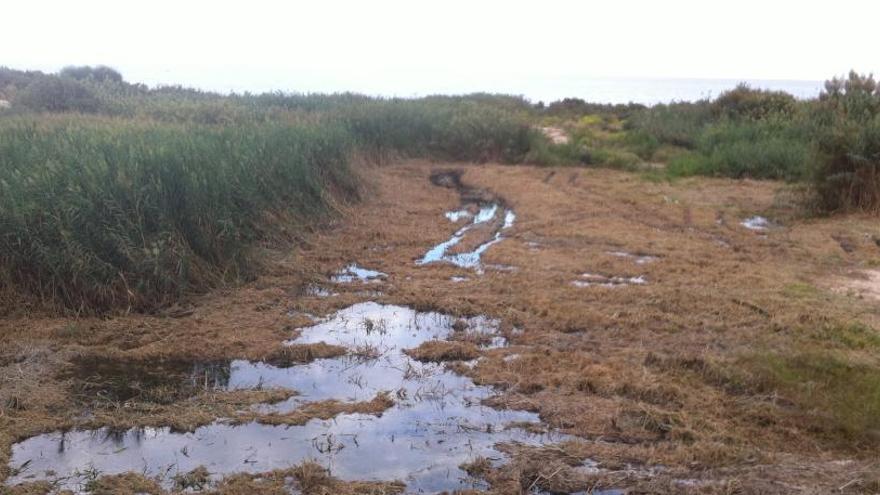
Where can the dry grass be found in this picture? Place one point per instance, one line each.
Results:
(309, 477)
(290, 355)
(325, 409)
(663, 374)
(438, 351)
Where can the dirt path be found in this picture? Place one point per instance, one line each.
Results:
(621, 302)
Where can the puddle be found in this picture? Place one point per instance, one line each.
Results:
(436, 423)
(756, 223)
(486, 213)
(354, 272)
(314, 290)
(492, 213)
(459, 279)
(509, 218)
(595, 280)
(639, 259)
(458, 215)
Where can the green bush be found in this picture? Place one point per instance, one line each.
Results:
(745, 102)
(847, 120)
(438, 127)
(758, 150)
(543, 152)
(98, 73)
(576, 107)
(641, 143)
(679, 124)
(54, 94)
(99, 213)
(614, 158)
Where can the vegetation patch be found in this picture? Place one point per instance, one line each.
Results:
(325, 409)
(441, 350)
(839, 395)
(100, 213)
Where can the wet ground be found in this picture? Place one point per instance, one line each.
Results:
(436, 424)
(509, 329)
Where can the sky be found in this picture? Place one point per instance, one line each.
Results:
(407, 48)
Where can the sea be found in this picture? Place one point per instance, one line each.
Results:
(534, 87)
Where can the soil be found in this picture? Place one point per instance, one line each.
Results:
(555, 134)
(611, 365)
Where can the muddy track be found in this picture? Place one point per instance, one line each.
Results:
(451, 179)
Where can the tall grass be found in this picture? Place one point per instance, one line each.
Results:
(766, 149)
(97, 213)
(848, 145)
(162, 192)
(440, 128)
(678, 124)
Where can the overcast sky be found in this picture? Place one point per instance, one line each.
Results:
(416, 47)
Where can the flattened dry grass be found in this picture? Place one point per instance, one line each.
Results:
(325, 409)
(309, 477)
(441, 350)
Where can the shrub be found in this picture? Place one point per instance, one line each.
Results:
(441, 128)
(847, 119)
(679, 124)
(573, 107)
(641, 143)
(745, 102)
(98, 73)
(760, 150)
(614, 158)
(545, 153)
(53, 94)
(770, 149)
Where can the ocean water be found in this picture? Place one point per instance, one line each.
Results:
(416, 83)
(651, 91)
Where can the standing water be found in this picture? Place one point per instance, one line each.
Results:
(488, 214)
(437, 421)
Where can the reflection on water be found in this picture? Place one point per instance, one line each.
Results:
(354, 272)
(756, 223)
(504, 219)
(436, 424)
